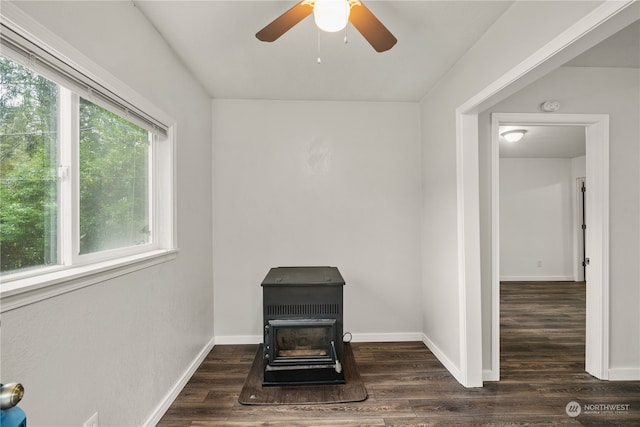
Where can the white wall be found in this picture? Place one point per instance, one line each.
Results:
(536, 219)
(318, 183)
(613, 91)
(117, 347)
(523, 29)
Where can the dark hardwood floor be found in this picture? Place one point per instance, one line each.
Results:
(542, 370)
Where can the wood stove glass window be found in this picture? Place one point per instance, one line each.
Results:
(303, 340)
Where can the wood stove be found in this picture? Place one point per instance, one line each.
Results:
(302, 312)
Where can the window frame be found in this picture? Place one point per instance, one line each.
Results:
(75, 271)
(72, 253)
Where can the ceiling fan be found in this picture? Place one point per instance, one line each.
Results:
(325, 11)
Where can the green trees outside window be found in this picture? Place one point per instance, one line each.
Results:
(114, 186)
(28, 168)
(114, 171)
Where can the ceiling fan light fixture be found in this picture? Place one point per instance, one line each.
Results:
(513, 135)
(331, 15)
(353, 11)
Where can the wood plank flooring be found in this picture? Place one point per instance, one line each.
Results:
(542, 370)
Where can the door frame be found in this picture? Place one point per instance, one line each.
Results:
(597, 210)
(603, 21)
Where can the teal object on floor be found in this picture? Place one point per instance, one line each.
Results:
(13, 417)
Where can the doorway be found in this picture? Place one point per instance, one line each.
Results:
(597, 237)
(542, 300)
(604, 21)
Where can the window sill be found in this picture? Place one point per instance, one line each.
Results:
(18, 293)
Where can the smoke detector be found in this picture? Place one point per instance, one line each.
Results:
(550, 106)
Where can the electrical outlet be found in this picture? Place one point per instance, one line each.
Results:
(92, 421)
(539, 264)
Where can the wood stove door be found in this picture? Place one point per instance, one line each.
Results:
(291, 342)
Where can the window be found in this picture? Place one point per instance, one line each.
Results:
(81, 170)
(28, 168)
(114, 181)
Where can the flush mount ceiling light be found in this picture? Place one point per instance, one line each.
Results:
(513, 135)
(332, 16)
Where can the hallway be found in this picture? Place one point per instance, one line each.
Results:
(542, 330)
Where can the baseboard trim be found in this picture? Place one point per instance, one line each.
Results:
(617, 374)
(441, 356)
(238, 339)
(537, 279)
(173, 393)
(489, 375)
(624, 374)
(355, 337)
(386, 337)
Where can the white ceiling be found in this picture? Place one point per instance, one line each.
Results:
(620, 50)
(216, 40)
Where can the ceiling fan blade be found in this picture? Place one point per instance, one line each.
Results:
(285, 22)
(371, 28)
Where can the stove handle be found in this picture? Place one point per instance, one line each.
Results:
(338, 365)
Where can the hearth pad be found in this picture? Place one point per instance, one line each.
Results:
(253, 393)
